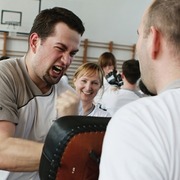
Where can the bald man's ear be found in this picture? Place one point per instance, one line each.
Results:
(155, 42)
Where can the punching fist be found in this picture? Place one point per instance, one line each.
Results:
(68, 104)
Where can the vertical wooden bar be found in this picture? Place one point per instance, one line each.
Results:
(111, 46)
(134, 51)
(85, 50)
(5, 34)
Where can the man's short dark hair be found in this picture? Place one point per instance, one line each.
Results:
(45, 21)
(131, 71)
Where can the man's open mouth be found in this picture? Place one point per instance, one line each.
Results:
(57, 69)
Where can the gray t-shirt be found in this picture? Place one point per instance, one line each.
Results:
(24, 104)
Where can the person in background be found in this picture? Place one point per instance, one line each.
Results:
(142, 140)
(30, 87)
(88, 79)
(107, 62)
(115, 98)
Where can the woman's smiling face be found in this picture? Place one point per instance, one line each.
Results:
(87, 85)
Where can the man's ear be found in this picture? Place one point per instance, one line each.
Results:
(33, 41)
(155, 42)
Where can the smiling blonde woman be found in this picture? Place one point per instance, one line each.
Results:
(88, 79)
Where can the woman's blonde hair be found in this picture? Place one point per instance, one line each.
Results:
(89, 68)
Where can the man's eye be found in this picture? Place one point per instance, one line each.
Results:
(73, 54)
(60, 49)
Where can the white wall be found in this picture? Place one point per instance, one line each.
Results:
(105, 20)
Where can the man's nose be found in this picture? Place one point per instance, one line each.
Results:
(66, 59)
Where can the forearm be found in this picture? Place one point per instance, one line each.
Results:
(20, 155)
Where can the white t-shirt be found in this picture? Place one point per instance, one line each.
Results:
(97, 111)
(142, 141)
(112, 99)
(4, 174)
(65, 79)
(106, 86)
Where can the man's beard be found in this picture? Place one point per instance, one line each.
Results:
(50, 81)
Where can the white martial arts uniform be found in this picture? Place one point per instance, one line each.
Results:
(142, 141)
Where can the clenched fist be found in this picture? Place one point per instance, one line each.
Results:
(68, 103)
